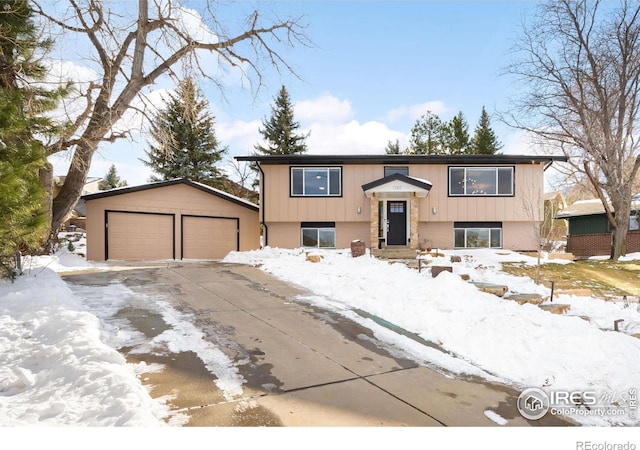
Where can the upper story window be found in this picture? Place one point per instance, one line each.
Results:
(390, 170)
(496, 181)
(316, 181)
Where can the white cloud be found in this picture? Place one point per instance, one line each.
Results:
(414, 112)
(518, 142)
(240, 136)
(324, 109)
(352, 138)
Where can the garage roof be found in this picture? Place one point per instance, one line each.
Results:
(194, 184)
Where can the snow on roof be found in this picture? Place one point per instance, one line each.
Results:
(590, 207)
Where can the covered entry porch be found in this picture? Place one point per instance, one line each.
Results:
(395, 210)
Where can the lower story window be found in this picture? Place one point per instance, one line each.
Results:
(318, 234)
(477, 234)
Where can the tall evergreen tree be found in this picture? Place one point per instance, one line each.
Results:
(429, 136)
(186, 145)
(484, 140)
(459, 138)
(23, 220)
(392, 148)
(279, 131)
(111, 180)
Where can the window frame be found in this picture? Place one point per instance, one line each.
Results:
(491, 227)
(496, 169)
(390, 170)
(304, 169)
(318, 227)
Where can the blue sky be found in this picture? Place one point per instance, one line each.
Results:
(374, 69)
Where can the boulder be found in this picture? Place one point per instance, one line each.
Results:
(555, 308)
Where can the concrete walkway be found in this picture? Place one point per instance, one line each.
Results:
(303, 366)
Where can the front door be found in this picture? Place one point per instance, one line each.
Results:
(397, 219)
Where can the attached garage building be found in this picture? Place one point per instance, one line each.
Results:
(177, 219)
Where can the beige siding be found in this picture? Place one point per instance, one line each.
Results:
(177, 199)
(515, 235)
(287, 235)
(435, 235)
(520, 236)
(525, 206)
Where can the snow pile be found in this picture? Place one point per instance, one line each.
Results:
(54, 368)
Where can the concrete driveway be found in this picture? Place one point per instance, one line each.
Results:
(303, 366)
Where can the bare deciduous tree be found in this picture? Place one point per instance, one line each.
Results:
(134, 48)
(580, 64)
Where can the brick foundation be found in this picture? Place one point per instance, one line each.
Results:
(586, 245)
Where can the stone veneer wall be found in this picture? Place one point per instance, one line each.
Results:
(375, 219)
(413, 226)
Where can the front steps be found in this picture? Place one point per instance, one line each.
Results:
(394, 253)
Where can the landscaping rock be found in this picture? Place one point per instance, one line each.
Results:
(495, 289)
(555, 308)
(314, 258)
(436, 270)
(534, 299)
(358, 248)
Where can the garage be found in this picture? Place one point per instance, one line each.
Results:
(138, 236)
(176, 219)
(208, 237)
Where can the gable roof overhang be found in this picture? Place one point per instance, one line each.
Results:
(397, 183)
(307, 159)
(194, 184)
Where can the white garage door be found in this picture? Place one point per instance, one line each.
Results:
(137, 236)
(208, 237)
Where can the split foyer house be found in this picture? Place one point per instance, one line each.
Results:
(405, 201)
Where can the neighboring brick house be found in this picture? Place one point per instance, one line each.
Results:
(590, 231)
(404, 201)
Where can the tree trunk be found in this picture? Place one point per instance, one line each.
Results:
(620, 225)
(619, 240)
(71, 190)
(46, 181)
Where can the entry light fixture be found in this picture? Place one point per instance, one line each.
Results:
(434, 210)
(358, 210)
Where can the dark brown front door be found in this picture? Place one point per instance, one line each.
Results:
(397, 217)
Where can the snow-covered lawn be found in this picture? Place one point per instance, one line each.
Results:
(59, 363)
(480, 333)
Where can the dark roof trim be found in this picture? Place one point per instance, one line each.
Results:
(200, 186)
(397, 177)
(402, 159)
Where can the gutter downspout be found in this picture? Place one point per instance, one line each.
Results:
(262, 203)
